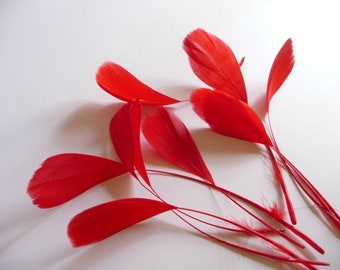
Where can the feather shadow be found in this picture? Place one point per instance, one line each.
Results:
(92, 121)
(88, 125)
(259, 105)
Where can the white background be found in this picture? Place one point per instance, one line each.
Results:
(50, 103)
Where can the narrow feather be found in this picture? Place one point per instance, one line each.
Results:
(65, 176)
(125, 136)
(102, 221)
(120, 83)
(281, 68)
(215, 63)
(170, 137)
(229, 116)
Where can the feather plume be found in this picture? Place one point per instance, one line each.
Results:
(120, 83)
(125, 136)
(172, 140)
(65, 176)
(215, 63)
(102, 221)
(229, 116)
(281, 68)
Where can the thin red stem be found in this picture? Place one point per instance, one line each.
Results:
(253, 204)
(282, 183)
(280, 232)
(295, 258)
(311, 191)
(279, 176)
(306, 185)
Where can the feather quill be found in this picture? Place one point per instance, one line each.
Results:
(121, 84)
(172, 140)
(214, 63)
(125, 136)
(102, 221)
(65, 176)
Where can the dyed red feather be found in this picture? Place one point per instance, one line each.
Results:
(118, 82)
(170, 137)
(229, 116)
(125, 136)
(215, 63)
(102, 221)
(65, 176)
(281, 68)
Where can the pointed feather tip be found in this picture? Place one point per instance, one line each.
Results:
(289, 42)
(281, 68)
(288, 46)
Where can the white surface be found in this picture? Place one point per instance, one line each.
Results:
(50, 103)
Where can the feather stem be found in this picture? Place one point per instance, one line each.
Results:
(282, 183)
(311, 191)
(231, 195)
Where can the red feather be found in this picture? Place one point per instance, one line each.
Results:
(215, 63)
(170, 137)
(229, 116)
(118, 82)
(102, 221)
(125, 136)
(281, 68)
(65, 176)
